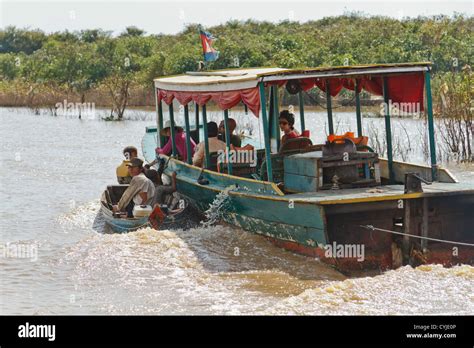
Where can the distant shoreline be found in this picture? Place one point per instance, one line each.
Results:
(373, 110)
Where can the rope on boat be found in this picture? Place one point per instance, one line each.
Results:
(372, 228)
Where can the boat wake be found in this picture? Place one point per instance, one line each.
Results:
(219, 207)
(425, 290)
(201, 270)
(215, 269)
(81, 217)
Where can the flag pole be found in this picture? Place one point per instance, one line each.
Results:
(203, 54)
(210, 54)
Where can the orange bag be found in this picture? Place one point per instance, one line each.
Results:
(332, 138)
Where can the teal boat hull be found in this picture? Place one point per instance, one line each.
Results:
(122, 225)
(309, 223)
(254, 206)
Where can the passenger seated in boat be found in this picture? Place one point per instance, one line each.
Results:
(214, 144)
(287, 121)
(180, 141)
(234, 138)
(123, 177)
(141, 190)
(161, 190)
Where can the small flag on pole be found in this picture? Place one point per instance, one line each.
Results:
(210, 54)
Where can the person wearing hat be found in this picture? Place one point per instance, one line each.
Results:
(180, 140)
(215, 144)
(129, 153)
(141, 190)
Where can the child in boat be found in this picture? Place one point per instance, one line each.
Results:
(287, 121)
(123, 177)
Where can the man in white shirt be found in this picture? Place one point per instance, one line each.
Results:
(214, 145)
(141, 190)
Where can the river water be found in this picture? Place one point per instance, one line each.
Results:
(56, 259)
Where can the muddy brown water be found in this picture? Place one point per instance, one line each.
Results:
(56, 259)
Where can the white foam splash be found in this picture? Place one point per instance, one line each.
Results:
(218, 207)
(424, 290)
(84, 216)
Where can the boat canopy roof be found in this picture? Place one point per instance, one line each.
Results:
(229, 87)
(216, 80)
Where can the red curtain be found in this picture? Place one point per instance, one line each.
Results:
(373, 85)
(406, 88)
(307, 84)
(349, 83)
(402, 89)
(335, 85)
(225, 100)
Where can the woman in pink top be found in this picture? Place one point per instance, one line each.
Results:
(180, 140)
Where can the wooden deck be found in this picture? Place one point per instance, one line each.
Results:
(382, 193)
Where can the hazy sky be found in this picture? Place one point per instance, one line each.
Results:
(170, 16)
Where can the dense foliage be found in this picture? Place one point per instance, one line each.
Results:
(79, 62)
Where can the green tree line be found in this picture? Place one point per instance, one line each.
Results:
(34, 64)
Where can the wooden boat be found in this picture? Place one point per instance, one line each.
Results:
(312, 199)
(119, 224)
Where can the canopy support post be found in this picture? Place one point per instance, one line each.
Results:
(266, 135)
(388, 130)
(172, 129)
(159, 122)
(276, 115)
(196, 109)
(188, 135)
(301, 102)
(329, 108)
(207, 160)
(429, 109)
(227, 141)
(271, 113)
(358, 114)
